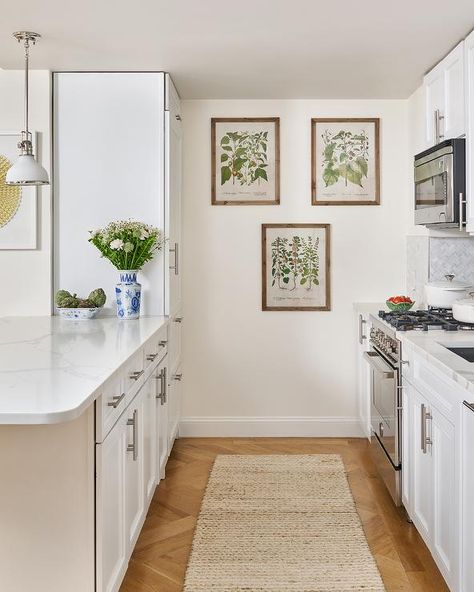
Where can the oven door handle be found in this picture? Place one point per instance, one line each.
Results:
(378, 364)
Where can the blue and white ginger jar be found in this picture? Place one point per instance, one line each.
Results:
(128, 293)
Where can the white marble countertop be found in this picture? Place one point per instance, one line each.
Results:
(430, 345)
(52, 369)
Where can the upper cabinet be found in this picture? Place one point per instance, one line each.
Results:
(469, 103)
(444, 98)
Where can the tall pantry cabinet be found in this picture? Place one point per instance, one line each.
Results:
(117, 149)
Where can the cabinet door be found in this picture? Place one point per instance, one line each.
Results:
(454, 119)
(469, 97)
(111, 549)
(149, 438)
(134, 470)
(161, 417)
(434, 102)
(406, 450)
(173, 171)
(445, 495)
(467, 479)
(444, 94)
(421, 464)
(174, 408)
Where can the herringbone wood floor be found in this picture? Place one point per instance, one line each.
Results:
(159, 561)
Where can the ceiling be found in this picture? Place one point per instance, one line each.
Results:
(246, 48)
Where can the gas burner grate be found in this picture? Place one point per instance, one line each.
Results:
(424, 320)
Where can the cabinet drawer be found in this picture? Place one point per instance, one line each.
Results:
(440, 391)
(134, 370)
(109, 406)
(155, 348)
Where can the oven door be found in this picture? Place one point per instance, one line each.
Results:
(434, 202)
(384, 405)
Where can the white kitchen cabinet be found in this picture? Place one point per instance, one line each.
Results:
(174, 403)
(469, 102)
(126, 479)
(468, 495)
(431, 470)
(363, 373)
(444, 98)
(112, 558)
(173, 166)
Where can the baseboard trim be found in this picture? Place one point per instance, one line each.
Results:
(202, 427)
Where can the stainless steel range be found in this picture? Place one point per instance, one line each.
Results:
(385, 362)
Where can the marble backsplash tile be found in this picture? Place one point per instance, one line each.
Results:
(431, 258)
(452, 255)
(417, 268)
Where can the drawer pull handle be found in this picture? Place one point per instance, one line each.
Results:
(175, 250)
(162, 343)
(425, 440)
(178, 377)
(151, 357)
(178, 319)
(469, 405)
(116, 400)
(133, 447)
(136, 375)
(162, 395)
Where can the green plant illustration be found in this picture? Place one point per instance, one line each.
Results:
(244, 157)
(345, 156)
(295, 263)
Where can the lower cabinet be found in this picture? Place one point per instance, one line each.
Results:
(363, 374)
(468, 495)
(174, 400)
(430, 480)
(126, 471)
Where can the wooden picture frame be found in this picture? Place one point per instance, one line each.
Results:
(288, 281)
(255, 177)
(345, 171)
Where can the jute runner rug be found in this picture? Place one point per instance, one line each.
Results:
(280, 524)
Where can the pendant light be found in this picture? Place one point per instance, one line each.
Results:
(26, 170)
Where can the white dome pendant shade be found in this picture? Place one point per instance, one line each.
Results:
(26, 170)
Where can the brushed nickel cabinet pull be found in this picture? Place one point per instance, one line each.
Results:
(178, 117)
(175, 250)
(178, 319)
(425, 440)
(136, 375)
(152, 357)
(362, 322)
(133, 447)
(178, 377)
(469, 405)
(162, 343)
(116, 400)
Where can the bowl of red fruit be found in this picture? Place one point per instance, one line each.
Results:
(399, 303)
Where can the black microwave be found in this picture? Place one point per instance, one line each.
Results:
(440, 185)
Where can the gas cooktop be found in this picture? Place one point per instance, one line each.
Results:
(424, 320)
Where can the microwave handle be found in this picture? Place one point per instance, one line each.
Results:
(462, 219)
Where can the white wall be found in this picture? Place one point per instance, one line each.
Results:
(240, 362)
(26, 275)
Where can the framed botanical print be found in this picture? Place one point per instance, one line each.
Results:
(18, 207)
(296, 267)
(245, 153)
(345, 162)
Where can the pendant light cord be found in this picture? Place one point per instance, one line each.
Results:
(27, 89)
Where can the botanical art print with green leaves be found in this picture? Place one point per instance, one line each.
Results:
(296, 264)
(245, 161)
(345, 158)
(244, 157)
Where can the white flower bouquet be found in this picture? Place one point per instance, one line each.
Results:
(128, 244)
